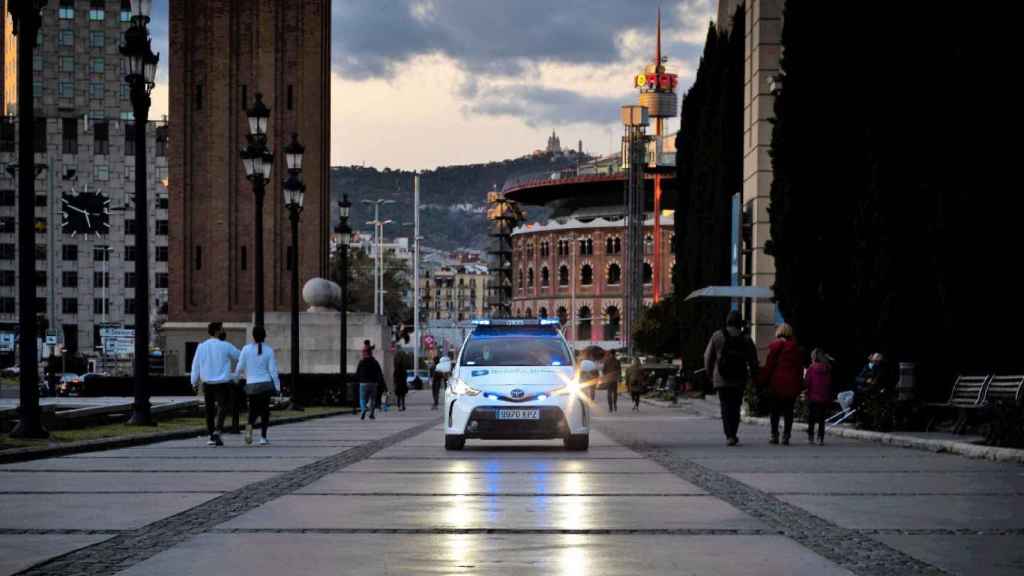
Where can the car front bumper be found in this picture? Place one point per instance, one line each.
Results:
(477, 417)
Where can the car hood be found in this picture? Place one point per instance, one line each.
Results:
(532, 379)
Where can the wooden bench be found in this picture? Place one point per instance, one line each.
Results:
(1004, 388)
(968, 395)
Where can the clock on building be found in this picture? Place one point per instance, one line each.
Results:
(85, 213)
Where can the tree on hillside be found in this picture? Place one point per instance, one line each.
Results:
(360, 285)
(709, 166)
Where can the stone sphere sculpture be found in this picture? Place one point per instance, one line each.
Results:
(321, 294)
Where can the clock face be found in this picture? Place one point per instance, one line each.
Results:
(85, 213)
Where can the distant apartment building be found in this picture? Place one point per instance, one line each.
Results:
(455, 293)
(85, 138)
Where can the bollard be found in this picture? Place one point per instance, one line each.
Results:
(905, 385)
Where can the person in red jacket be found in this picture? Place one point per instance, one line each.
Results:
(783, 375)
(819, 394)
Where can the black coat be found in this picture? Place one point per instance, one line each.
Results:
(369, 370)
(398, 376)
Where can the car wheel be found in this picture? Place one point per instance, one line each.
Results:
(578, 442)
(454, 442)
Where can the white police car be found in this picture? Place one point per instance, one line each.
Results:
(514, 379)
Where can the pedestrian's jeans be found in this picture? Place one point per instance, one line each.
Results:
(782, 408)
(730, 399)
(215, 397)
(816, 417)
(367, 395)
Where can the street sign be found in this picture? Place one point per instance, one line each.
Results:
(118, 341)
(429, 341)
(51, 337)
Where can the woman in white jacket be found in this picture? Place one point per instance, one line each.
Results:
(257, 365)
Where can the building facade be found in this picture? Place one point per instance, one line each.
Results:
(572, 269)
(85, 138)
(457, 293)
(224, 53)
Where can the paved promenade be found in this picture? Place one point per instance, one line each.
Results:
(658, 493)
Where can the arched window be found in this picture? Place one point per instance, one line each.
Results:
(648, 244)
(586, 275)
(648, 274)
(545, 277)
(618, 245)
(614, 275)
(543, 312)
(529, 313)
(583, 324)
(612, 322)
(563, 275)
(563, 315)
(609, 246)
(520, 279)
(529, 278)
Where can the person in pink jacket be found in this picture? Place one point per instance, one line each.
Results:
(819, 394)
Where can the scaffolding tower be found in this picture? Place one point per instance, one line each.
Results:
(504, 215)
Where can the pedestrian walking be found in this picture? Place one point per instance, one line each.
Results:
(783, 378)
(636, 381)
(370, 377)
(819, 394)
(211, 368)
(398, 380)
(588, 377)
(436, 382)
(236, 395)
(611, 374)
(259, 368)
(731, 358)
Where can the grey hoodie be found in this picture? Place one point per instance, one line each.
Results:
(711, 359)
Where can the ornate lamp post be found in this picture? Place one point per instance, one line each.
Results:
(344, 237)
(26, 17)
(294, 192)
(258, 161)
(139, 63)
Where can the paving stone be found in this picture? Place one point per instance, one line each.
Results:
(155, 482)
(92, 511)
(991, 555)
(861, 512)
(80, 464)
(20, 551)
(887, 483)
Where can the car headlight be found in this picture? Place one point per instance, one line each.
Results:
(462, 389)
(571, 387)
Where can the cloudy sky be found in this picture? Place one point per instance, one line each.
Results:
(418, 84)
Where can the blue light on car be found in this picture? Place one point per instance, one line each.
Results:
(542, 397)
(491, 397)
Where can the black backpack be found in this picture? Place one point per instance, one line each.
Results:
(733, 357)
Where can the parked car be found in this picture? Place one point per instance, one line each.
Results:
(70, 384)
(11, 371)
(410, 375)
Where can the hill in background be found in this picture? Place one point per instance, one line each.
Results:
(453, 198)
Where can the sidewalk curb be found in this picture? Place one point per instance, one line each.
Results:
(26, 454)
(993, 453)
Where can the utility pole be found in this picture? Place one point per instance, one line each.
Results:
(378, 262)
(416, 273)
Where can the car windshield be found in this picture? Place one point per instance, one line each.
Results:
(515, 349)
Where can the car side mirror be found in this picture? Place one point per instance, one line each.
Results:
(444, 366)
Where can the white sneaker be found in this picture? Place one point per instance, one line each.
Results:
(210, 442)
(263, 442)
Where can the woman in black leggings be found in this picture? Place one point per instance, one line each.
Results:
(259, 367)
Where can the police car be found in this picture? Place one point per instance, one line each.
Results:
(514, 379)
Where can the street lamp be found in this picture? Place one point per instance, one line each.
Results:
(26, 19)
(139, 64)
(378, 261)
(258, 161)
(344, 237)
(294, 192)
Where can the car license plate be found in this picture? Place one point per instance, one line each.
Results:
(519, 414)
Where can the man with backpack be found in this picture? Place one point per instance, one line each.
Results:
(732, 359)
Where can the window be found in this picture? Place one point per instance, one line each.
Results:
(161, 280)
(543, 348)
(100, 305)
(101, 254)
(96, 90)
(545, 277)
(99, 65)
(129, 173)
(290, 97)
(40, 278)
(69, 252)
(245, 261)
(614, 275)
(101, 279)
(7, 225)
(161, 227)
(129, 305)
(563, 276)
(97, 39)
(129, 227)
(6, 251)
(69, 135)
(648, 274)
(102, 172)
(129, 279)
(7, 305)
(245, 96)
(529, 278)
(6, 135)
(66, 38)
(41, 135)
(520, 283)
(69, 279)
(586, 275)
(97, 10)
(161, 141)
(126, 11)
(41, 252)
(67, 63)
(41, 200)
(583, 325)
(69, 306)
(7, 197)
(37, 89)
(129, 253)
(611, 328)
(161, 253)
(37, 63)
(66, 11)
(161, 202)
(6, 277)
(40, 225)
(129, 139)
(101, 138)
(586, 247)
